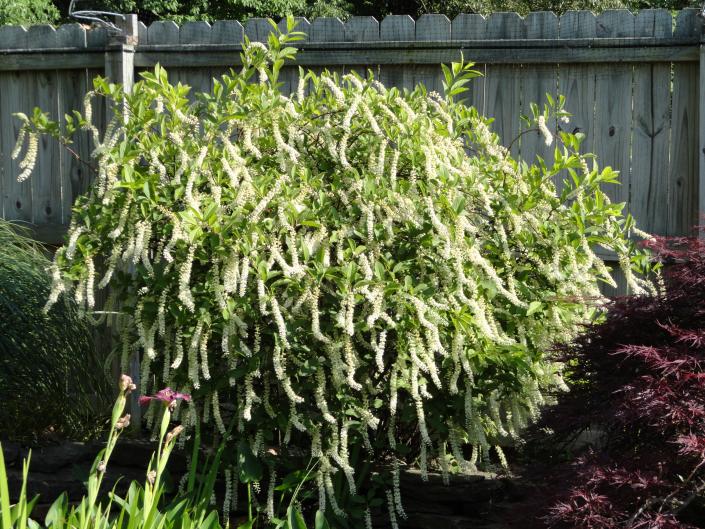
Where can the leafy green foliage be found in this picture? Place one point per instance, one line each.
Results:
(51, 381)
(16, 12)
(360, 272)
(451, 8)
(183, 10)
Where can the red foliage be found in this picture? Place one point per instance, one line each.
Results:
(641, 380)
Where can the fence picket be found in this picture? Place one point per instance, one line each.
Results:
(258, 29)
(362, 29)
(142, 33)
(16, 197)
(226, 32)
(289, 75)
(71, 87)
(436, 28)
(195, 33)
(503, 83)
(537, 81)
(683, 173)
(613, 104)
(163, 32)
(327, 29)
(651, 129)
(397, 28)
(42, 87)
(98, 37)
(199, 79)
(577, 81)
(472, 27)
(168, 33)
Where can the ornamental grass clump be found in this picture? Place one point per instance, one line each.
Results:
(52, 383)
(351, 269)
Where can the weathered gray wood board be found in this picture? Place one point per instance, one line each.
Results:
(577, 82)
(503, 83)
(467, 27)
(46, 184)
(45, 199)
(651, 130)
(14, 195)
(683, 173)
(631, 83)
(613, 106)
(537, 82)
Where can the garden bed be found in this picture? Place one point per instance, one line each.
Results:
(468, 501)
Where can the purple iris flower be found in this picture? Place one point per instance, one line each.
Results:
(167, 395)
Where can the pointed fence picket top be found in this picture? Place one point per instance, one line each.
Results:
(433, 28)
(163, 32)
(634, 84)
(503, 82)
(397, 28)
(362, 29)
(258, 29)
(227, 32)
(468, 27)
(326, 29)
(195, 33)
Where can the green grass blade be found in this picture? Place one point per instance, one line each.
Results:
(23, 513)
(194, 460)
(5, 516)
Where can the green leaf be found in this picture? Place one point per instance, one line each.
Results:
(321, 522)
(145, 188)
(294, 519)
(211, 522)
(5, 516)
(534, 307)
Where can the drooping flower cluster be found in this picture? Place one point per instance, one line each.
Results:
(352, 266)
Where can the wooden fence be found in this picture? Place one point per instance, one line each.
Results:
(634, 84)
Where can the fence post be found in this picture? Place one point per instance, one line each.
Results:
(120, 69)
(701, 126)
(120, 55)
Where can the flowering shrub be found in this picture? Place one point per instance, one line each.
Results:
(349, 267)
(643, 386)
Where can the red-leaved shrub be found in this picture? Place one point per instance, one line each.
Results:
(640, 381)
